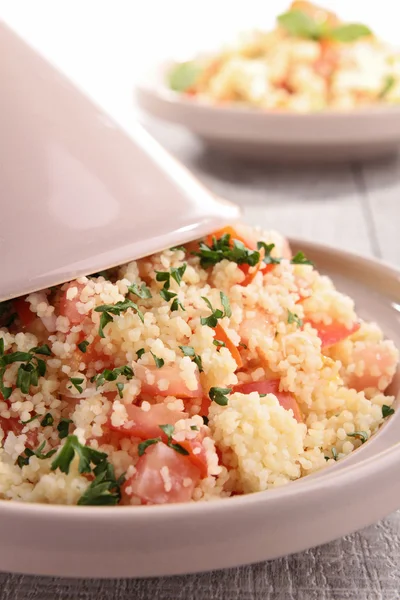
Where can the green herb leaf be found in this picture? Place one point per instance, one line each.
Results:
(362, 435)
(142, 291)
(1, 346)
(212, 319)
(387, 411)
(30, 420)
(334, 453)
(184, 75)
(387, 86)
(300, 259)
(293, 318)
(169, 430)
(219, 395)
(87, 456)
(140, 353)
(120, 387)
(299, 24)
(178, 272)
(348, 32)
(268, 259)
(189, 351)
(159, 361)
(225, 304)
(76, 381)
(218, 343)
(205, 420)
(222, 248)
(142, 447)
(45, 350)
(104, 490)
(176, 304)
(108, 310)
(194, 428)
(104, 320)
(63, 428)
(167, 295)
(83, 346)
(174, 248)
(112, 375)
(23, 459)
(164, 276)
(47, 420)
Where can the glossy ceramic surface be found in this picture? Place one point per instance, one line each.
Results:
(78, 193)
(254, 133)
(182, 538)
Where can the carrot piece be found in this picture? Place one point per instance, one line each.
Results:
(220, 334)
(234, 236)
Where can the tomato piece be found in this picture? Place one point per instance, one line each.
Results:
(197, 455)
(333, 333)
(146, 424)
(14, 424)
(380, 361)
(257, 323)
(220, 334)
(163, 476)
(271, 386)
(151, 377)
(205, 406)
(68, 307)
(22, 308)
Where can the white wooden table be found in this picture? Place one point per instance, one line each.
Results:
(352, 206)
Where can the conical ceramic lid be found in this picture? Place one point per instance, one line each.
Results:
(78, 194)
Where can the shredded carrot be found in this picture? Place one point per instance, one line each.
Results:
(220, 334)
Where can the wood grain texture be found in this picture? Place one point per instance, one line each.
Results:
(353, 206)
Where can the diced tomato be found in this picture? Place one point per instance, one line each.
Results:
(257, 323)
(22, 308)
(333, 333)
(197, 455)
(220, 334)
(150, 378)
(271, 386)
(146, 424)
(68, 308)
(205, 406)
(148, 483)
(13, 424)
(380, 361)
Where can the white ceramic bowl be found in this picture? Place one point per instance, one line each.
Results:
(181, 538)
(329, 135)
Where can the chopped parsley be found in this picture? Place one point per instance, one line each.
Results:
(83, 346)
(108, 310)
(225, 249)
(87, 456)
(105, 489)
(334, 453)
(120, 388)
(76, 382)
(47, 420)
(219, 395)
(30, 420)
(142, 291)
(361, 435)
(142, 447)
(169, 430)
(219, 343)
(293, 318)
(189, 351)
(176, 273)
(387, 411)
(168, 295)
(23, 459)
(300, 24)
(176, 303)
(184, 75)
(140, 353)
(112, 375)
(159, 361)
(216, 314)
(28, 372)
(175, 248)
(194, 428)
(300, 259)
(268, 259)
(63, 428)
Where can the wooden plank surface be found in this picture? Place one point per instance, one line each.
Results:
(355, 207)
